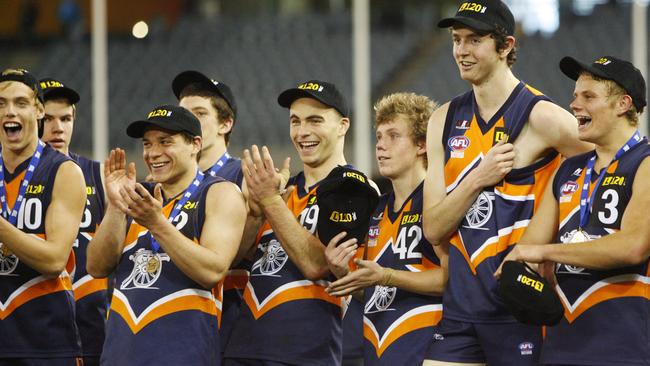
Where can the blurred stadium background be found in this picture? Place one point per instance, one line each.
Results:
(261, 47)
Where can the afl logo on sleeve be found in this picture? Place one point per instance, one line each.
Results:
(567, 190)
(457, 146)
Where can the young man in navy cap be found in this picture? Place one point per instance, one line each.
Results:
(90, 293)
(497, 146)
(213, 104)
(43, 197)
(288, 318)
(398, 271)
(596, 212)
(169, 245)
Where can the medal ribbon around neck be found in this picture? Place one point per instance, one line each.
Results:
(179, 205)
(219, 164)
(586, 200)
(33, 163)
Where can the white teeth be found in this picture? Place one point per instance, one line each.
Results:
(157, 165)
(308, 144)
(583, 120)
(11, 125)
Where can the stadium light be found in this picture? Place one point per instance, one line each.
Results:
(140, 29)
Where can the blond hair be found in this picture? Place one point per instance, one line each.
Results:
(416, 109)
(21, 72)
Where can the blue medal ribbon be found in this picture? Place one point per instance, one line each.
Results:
(219, 164)
(586, 200)
(33, 163)
(179, 205)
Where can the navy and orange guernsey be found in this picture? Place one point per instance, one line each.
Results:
(287, 318)
(500, 214)
(398, 324)
(232, 287)
(90, 294)
(37, 315)
(606, 312)
(158, 315)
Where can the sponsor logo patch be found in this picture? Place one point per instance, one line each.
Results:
(526, 348)
(373, 234)
(462, 125)
(457, 145)
(567, 190)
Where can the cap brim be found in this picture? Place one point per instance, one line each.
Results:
(572, 68)
(468, 22)
(287, 97)
(186, 78)
(136, 129)
(62, 92)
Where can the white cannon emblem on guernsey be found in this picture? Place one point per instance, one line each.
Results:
(272, 260)
(381, 299)
(480, 212)
(147, 266)
(8, 261)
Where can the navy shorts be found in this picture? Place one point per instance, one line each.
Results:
(501, 344)
(251, 362)
(64, 361)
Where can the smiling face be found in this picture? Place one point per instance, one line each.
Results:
(317, 131)
(594, 109)
(58, 124)
(169, 155)
(395, 150)
(19, 115)
(476, 55)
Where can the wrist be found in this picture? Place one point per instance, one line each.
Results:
(158, 224)
(543, 252)
(387, 276)
(270, 200)
(474, 177)
(112, 209)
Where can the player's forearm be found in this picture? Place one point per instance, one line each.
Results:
(441, 219)
(599, 254)
(430, 282)
(197, 262)
(304, 249)
(45, 257)
(249, 237)
(105, 249)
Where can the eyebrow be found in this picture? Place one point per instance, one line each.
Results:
(65, 115)
(313, 116)
(17, 98)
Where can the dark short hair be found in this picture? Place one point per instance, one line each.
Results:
(500, 36)
(224, 111)
(188, 138)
